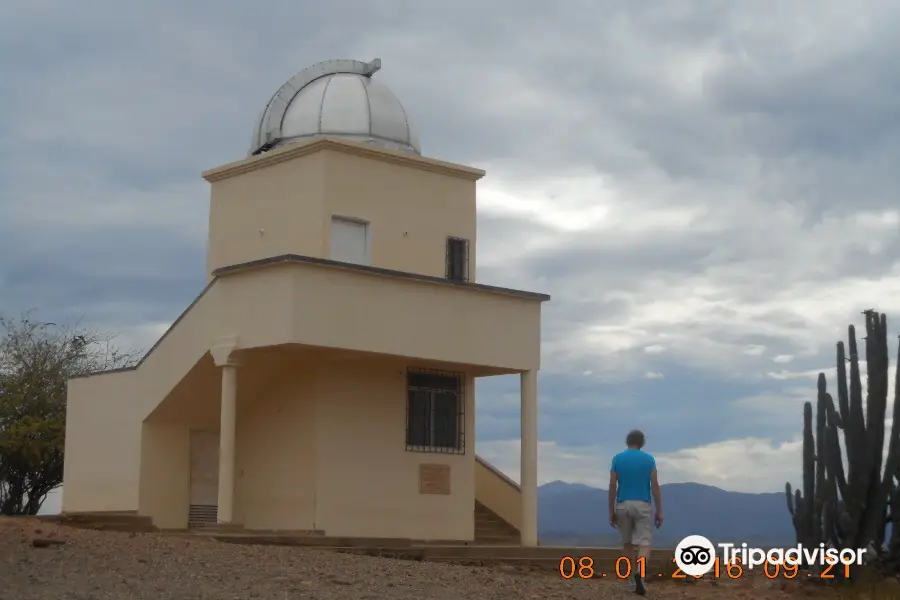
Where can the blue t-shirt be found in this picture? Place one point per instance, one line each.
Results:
(633, 468)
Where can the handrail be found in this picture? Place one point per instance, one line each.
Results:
(498, 473)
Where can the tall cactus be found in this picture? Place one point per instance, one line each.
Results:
(849, 508)
(820, 488)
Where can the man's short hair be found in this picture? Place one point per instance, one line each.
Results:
(635, 439)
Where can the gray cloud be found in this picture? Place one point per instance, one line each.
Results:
(713, 180)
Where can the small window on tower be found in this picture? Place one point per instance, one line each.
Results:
(350, 241)
(457, 259)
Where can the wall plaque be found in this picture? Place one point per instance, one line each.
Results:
(434, 479)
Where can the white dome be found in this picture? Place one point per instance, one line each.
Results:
(337, 98)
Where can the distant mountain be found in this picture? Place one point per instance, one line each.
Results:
(560, 487)
(574, 513)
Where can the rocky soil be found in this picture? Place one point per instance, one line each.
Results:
(42, 561)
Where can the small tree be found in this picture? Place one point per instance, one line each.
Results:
(36, 361)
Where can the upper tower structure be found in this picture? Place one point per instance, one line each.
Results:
(335, 174)
(336, 98)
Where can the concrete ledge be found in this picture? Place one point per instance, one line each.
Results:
(323, 541)
(215, 528)
(107, 521)
(552, 559)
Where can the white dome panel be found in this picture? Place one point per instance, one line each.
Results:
(345, 108)
(302, 115)
(388, 117)
(339, 98)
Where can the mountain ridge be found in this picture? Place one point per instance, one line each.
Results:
(575, 513)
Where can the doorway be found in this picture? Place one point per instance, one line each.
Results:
(204, 492)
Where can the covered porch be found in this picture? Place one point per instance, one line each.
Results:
(317, 440)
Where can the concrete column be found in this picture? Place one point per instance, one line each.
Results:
(226, 442)
(528, 471)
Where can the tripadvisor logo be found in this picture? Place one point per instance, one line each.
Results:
(695, 555)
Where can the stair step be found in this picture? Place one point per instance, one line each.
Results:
(489, 519)
(384, 552)
(121, 527)
(495, 531)
(309, 540)
(112, 521)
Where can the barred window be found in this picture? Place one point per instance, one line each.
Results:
(457, 259)
(435, 411)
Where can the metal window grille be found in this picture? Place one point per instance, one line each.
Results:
(435, 411)
(457, 259)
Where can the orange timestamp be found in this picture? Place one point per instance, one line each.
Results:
(771, 569)
(624, 568)
(583, 568)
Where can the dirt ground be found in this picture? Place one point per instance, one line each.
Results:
(95, 565)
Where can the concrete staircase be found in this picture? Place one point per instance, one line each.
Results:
(492, 530)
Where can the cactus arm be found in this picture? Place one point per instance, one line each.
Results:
(843, 393)
(809, 475)
(790, 497)
(820, 484)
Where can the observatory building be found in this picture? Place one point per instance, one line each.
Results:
(323, 381)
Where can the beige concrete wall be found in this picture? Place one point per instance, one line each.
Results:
(331, 307)
(320, 445)
(283, 202)
(178, 351)
(497, 492)
(258, 306)
(275, 453)
(103, 444)
(411, 212)
(339, 308)
(165, 473)
(367, 484)
(273, 442)
(166, 444)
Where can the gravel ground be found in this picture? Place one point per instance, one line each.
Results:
(95, 565)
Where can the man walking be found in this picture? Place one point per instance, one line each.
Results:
(632, 484)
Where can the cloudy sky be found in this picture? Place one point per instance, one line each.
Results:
(709, 190)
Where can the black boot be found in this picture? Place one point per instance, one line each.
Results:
(639, 588)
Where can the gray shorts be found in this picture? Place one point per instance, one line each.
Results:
(634, 519)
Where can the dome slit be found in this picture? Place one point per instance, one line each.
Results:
(406, 122)
(322, 104)
(365, 88)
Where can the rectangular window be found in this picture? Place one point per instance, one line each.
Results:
(350, 241)
(457, 259)
(435, 411)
